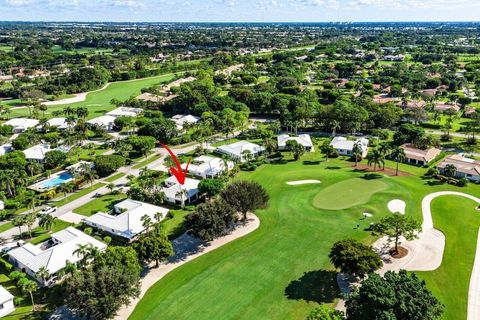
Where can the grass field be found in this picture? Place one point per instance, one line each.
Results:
(98, 102)
(281, 271)
(62, 201)
(104, 204)
(114, 177)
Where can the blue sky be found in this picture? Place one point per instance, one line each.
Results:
(241, 10)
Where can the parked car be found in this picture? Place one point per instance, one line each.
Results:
(47, 210)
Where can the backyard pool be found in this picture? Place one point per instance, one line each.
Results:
(55, 181)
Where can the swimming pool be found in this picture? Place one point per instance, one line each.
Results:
(59, 179)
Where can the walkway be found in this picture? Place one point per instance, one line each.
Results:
(426, 253)
(186, 249)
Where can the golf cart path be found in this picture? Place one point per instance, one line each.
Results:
(426, 253)
(186, 249)
(78, 97)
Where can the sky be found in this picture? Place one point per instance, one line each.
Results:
(239, 10)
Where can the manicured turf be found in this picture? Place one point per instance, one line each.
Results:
(114, 177)
(103, 204)
(146, 162)
(357, 191)
(98, 102)
(452, 279)
(78, 194)
(40, 235)
(281, 271)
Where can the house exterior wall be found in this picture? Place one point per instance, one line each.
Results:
(6, 308)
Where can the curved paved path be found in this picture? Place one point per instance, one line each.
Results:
(186, 249)
(426, 253)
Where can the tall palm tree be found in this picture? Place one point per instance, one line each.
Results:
(357, 151)
(146, 222)
(30, 219)
(398, 155)
(47, 221)
(19, 221)
(385, 150)
(28, 286)
(43, 274)
(182, 193)
(375, 157)
(32, 203)
(335, 127)
(450, 170)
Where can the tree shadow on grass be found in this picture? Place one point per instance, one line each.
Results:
(311, 163)
(371, 176)
(319, 286)
(333, 168)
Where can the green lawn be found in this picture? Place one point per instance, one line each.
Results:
(103, 204)
(357, 191)
(146, 162)
(173, 227)
(114, 177)
(281, 271)
(40, 235)
(452, 279)
(98, 102)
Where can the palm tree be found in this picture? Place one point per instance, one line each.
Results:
(19, 221)
(111, 186)
(385, 150)
(398, 155)
(43, 274)
(30, 219)
(28, 286)
(158, 216)
(82, 112)
(357, 151)
(335, 127)
(375, 157)
(450, 170)
(182, 193)
(32, 202)
(328, 150)
(47, 221)
(247, 155)
(81, 252)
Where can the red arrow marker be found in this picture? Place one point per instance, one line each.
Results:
(177, 172)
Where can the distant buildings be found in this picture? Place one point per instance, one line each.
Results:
(241, 150)
(418, 156)
(59, 123)
(208, 167)
(21, 124)
(182, 120)
(126, 218)
(304, 140)
(345, 147)
(125, 112)
(106, 122)
(38, 152)
(464, 167)
(52, 254)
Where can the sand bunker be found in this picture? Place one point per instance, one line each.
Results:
(397, 206)
(296, 183)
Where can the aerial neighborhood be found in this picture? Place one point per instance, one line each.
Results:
(239, 171)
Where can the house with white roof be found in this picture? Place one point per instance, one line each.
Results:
(125, 112)
(125, 220)
(304, 140)
(21, 124)
(177, 194)
(38, 152)
(52, 254)
(106, 122)
(181, 120)
(238, 150)
(60, 123)
(5, 148)
(208, 167)
(6, 302)
(345, 146)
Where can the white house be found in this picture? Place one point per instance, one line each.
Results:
(6, 148)
(2, 205)
(6, 302)
(180, 120)
(125, 112)
(464, 167)
(126, 218)
(419, 156)
(59, 123)
(52, 254)
(37, 153)
(176, 193)
(105, 122)
(238, 150)
(208, 167)
(303, 139)
(21, 124)
(345, 147)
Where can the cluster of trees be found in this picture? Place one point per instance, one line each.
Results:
(219, 215)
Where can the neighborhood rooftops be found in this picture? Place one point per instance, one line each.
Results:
(180, 120)
(303, 139)
(103, 121)
(128, 221)
(173, 189)
(420, 155)
(21, 124)
(39, 151)
(60, 123)
(207, 167)
(54, 258)
(237, 149)
(462, 164)
(125, 112)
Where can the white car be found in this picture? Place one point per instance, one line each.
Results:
(47, 210)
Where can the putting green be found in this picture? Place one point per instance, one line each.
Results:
(348, 193)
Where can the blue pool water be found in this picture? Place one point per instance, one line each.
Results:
(62, 178)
